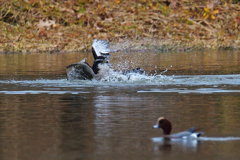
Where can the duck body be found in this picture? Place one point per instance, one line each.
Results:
(83, 71)
(167, 127)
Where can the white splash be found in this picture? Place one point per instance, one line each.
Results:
(219, 138)
(161, 139)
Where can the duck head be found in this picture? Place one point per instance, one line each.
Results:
(164, 124)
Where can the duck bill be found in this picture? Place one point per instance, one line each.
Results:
(155, 126)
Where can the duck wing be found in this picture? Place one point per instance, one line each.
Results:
(181, 134)
(100, 48)
(190, 133)
(80, 70)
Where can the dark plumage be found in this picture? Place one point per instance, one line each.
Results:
(83, 71)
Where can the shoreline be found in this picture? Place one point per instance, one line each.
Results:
(122, 46)
(128, 46)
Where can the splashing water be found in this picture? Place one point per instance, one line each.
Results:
(107, 74)
(219, 138)
(161, 139)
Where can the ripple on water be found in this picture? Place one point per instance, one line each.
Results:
(204, 84)
(161, 139)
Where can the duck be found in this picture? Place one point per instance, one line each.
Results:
(166, 126)
(83, 71)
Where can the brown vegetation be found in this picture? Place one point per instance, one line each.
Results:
(61, 25)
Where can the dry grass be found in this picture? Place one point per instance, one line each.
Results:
(59, 26)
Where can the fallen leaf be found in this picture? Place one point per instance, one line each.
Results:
(215, 12)
(79, 15)
(42, 32)
(109, 19)
(173, 3)
(206, 9)
(66, 10)
(46, 24)
(212, 16)
(210, 5)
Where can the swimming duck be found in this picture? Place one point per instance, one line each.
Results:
(167, 127)
(82, 70)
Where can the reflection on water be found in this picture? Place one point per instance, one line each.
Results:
(116, 124)
(52, 66)
(186, 145)
(44, 116)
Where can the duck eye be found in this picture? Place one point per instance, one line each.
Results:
(161, 122)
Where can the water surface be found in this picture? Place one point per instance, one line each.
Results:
(45, 116)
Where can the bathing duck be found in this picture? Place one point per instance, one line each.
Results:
(167, 127)
(82, 70)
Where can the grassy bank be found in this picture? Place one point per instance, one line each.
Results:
(59, 26)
